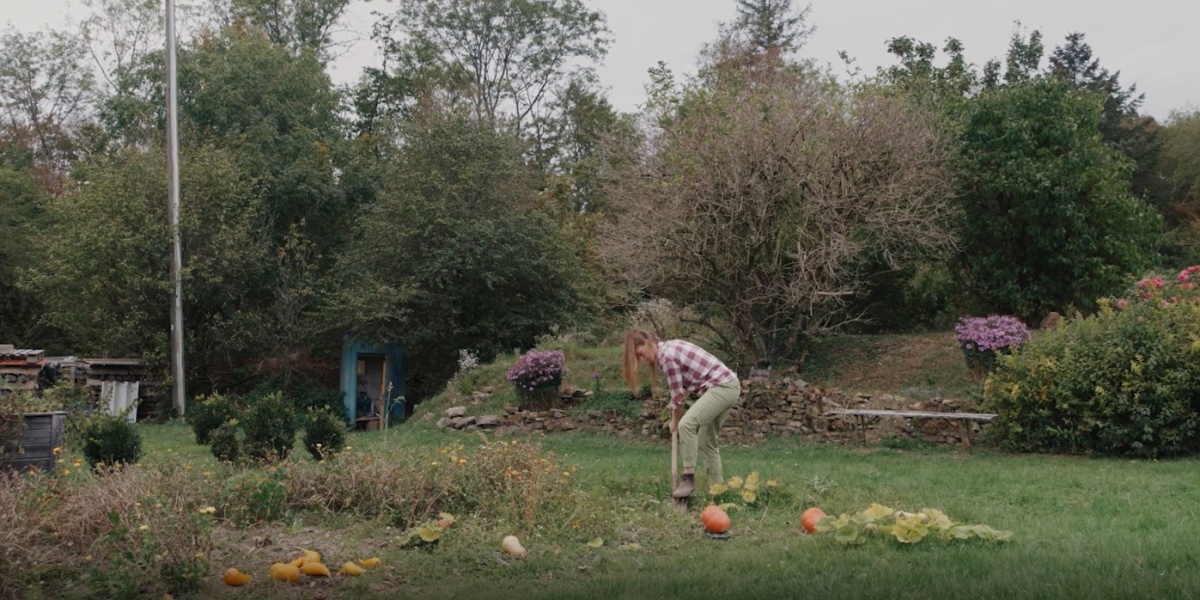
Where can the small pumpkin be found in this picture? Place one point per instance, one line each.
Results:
(285, 572)
(235, 577)
(370, 563)
(715, 519)
(315, 569)
(513, 546)
(810, 518)
(351, 569)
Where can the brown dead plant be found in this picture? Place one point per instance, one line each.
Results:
(766, 198)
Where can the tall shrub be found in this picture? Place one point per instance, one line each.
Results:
(1124, 381)
(270, 428)
(207, 413)
(1049, 221)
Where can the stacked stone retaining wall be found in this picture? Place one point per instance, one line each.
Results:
(783, 407)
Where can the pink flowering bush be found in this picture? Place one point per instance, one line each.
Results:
(537, 375)
(981, 338)
(1123, 381)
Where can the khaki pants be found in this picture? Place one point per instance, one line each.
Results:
(700, 427)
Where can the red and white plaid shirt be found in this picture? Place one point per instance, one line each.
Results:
(689, 368)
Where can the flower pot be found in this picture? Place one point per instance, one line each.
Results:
(37, 443)
(543, 396)
(980, 362)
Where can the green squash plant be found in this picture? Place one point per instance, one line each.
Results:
(907, 528)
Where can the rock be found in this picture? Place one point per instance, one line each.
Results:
(487, 421)
(487, 389)
(478, 397)
(456, 411)
(443, 422)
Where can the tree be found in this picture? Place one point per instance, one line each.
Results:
(1049, 221)
(925, 82)
(298, 25)
(764, 202)
(1020, 62)
(771, 26)
(502, 58)
(44, 91)
(21, 214)
(1176, 185)
(452, 255)
(573, 141)
(103, 271)
(1120, 124)
(119, 34)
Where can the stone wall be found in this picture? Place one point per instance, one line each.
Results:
(782, 407)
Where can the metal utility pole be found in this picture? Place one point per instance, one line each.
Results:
(173, 214)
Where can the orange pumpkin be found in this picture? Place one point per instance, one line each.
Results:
(715, 520)
(809, 519)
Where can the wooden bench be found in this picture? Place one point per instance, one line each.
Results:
(861, 418)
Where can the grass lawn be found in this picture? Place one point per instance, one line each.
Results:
(1082, 528)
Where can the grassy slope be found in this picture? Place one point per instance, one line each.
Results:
(911, 365)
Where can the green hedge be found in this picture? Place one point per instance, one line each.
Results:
(1125, 381)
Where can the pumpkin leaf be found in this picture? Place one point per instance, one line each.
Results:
(429, 533)
(876, 512)
(938, 521)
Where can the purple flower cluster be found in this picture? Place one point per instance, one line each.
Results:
(994, 332)
(537, 368)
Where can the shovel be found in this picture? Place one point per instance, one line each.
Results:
(680, 503)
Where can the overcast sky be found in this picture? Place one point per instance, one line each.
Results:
(1152, 43)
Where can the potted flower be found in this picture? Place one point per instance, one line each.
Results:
(981, 338)
(537, 377)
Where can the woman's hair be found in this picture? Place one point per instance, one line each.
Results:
(629, 363)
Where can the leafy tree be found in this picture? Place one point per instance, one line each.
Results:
(917, 75)
(1176, 185)
(765, 201)
(452, 255)
(1120, 124)
(772, 26)
(298, 25)
(1021, 61)
(104, 262)
(44, 91)
(501, 58)
(1049, 221)
(1179, 162)
(575, 141)
(277, 112)
(21, 201)
(119, 34)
